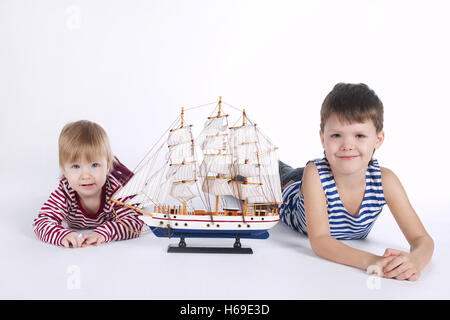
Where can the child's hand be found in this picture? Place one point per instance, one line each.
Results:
(92, 238)
(72, 240)
(401, 266)
(377, 266)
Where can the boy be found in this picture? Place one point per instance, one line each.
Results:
(341, 195)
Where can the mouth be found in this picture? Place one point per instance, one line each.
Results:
(347, 157)
(87, 185)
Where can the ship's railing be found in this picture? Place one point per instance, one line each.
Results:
(252, 210)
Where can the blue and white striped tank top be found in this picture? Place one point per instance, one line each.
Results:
(343, 225)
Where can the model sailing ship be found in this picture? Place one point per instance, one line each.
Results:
(190, 192)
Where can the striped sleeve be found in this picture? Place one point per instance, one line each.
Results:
(126, 225)
(48, 224)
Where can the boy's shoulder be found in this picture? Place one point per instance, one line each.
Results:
(392, 187)
(314, 165)
(311, 166)
(387, 173)
(311, 174)
(389, 178)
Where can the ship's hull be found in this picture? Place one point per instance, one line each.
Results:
(206, 226)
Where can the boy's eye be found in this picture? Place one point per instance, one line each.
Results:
(335, 135)
(360, 136)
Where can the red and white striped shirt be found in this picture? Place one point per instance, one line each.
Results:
(64, 205)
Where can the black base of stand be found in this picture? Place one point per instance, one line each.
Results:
(237, 248)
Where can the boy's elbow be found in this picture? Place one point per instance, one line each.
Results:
(319, 244)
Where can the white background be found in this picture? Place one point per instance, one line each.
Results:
(131, 65)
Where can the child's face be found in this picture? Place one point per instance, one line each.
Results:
(87, 177)
(349, 147)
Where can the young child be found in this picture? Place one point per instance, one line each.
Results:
(341, 195)
(90, 175)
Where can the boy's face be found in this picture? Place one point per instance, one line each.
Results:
(349, 147)
(87, 177)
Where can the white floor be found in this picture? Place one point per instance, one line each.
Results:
(282, 267)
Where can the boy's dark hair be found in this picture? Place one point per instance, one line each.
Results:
(352, 103)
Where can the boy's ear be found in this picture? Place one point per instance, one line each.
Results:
(380, 139)
(322, 138)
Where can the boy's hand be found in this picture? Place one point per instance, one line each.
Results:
(377, 266)
(92, 238)
(72, 240)
(401, 266)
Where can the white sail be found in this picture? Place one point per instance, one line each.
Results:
(215, 142)
(248, 169)
(215, 125)
(256, 161)
(182, 191)
(141, 177)
(156, 190)
(180, 152)
(216, 186)
(182, 162)
(215, 164)
(179, 135)
(271, 180)
(244, 134)
(245, 191)
(246, 151)
(182, 172)
(214, 135)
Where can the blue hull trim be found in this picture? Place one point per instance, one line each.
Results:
(193, 233)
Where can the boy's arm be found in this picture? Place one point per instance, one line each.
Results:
(47, 226)
(421, 244)
(316, 214)
(124, 225)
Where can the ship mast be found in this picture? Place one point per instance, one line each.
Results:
(244, 211)
(217, 157)
(182, 124)
(218, 115)
(182, 117)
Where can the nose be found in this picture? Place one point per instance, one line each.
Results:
(347, 148)
(348, 145)
(85, 173)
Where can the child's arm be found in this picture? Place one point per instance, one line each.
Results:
(124, 225)
(322, 243)
(47, 225)
(405, 265)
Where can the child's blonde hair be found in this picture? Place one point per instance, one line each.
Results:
(84, 139)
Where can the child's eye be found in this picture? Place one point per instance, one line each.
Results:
(95, 165)
(75, 166)
(335, 135)
(360, 136)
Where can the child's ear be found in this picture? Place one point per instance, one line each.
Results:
(322, 138)
(380, 139)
